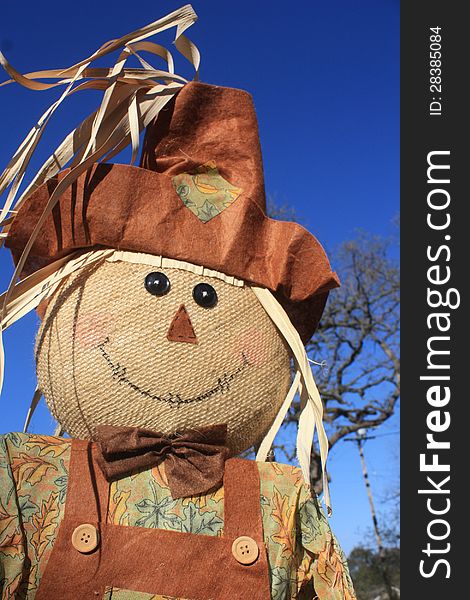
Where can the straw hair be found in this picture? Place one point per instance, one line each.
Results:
(311, 415)
(132, 98)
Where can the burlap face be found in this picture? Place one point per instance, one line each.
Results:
(103, 356)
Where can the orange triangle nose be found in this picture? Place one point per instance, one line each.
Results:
(181, 328)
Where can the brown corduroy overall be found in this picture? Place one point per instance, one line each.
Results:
(179, 565)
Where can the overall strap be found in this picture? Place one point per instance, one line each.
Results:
(68, 574)
(87, 490)
(242, 504)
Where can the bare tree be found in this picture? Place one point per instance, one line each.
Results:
(358, 339)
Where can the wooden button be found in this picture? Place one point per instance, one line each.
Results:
(245, 550)
(85, 538)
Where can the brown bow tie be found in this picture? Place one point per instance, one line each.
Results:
(194, 460)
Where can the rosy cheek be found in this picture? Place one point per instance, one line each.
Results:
(251, 345)
(92, 329)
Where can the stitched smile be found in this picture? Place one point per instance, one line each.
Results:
(120, 374)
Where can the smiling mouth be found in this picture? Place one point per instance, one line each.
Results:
(120, 374)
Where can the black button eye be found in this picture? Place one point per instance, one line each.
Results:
(157, 284)
(205, 295)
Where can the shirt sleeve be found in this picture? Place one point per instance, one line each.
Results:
(323, 572)
(12, 551)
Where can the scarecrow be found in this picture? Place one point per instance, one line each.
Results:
(173, 311)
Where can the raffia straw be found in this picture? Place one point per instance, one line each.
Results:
(132, 98)
(311, 415)
(111, 80)
(34, 402)
(268, 440)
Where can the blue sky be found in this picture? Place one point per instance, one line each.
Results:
(325, 81)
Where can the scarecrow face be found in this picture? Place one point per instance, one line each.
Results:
(160, 348)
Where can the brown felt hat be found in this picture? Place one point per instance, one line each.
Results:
(198, 196)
